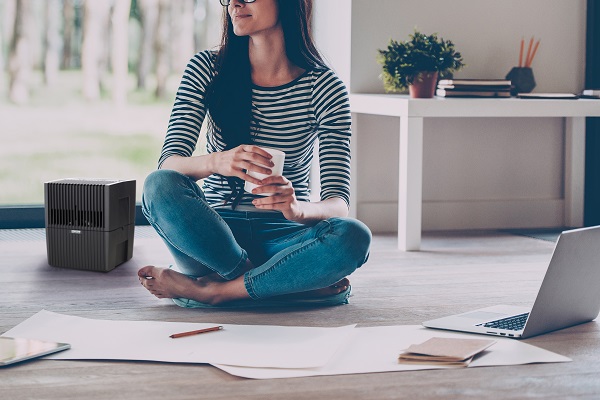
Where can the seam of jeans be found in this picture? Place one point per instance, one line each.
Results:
(249, 281)
(291, 236)
(249, 288)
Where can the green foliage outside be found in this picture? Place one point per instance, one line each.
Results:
(59, 135)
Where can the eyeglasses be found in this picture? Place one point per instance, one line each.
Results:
(225, 3)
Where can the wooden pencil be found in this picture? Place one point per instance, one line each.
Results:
(521, 53)
(197, 332)
(529, 50)
(533, 54)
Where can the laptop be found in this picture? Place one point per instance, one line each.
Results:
(569, 294)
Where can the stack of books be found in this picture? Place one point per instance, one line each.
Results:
(590, 94)
(473, 88)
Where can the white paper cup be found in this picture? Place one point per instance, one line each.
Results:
(276, 170)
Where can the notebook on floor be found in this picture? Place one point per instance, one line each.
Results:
(568, 295)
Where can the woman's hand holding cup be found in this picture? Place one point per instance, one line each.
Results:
(277, 160)
(242, 162)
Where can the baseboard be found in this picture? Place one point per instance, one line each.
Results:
(463, 215)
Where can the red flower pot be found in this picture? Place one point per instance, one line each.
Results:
(424, 85)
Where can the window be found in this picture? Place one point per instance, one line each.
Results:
(86, 89)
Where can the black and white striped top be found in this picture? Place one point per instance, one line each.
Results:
(288, 118)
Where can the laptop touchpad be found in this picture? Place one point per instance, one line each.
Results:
(482, 315)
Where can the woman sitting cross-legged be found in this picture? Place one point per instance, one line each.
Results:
(265, 87)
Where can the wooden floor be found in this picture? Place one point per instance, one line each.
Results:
(454, 273)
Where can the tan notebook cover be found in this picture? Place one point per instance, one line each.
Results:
(448, 351)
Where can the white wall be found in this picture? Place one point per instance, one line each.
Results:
(332, 29)
(486, 32)
(478, 173)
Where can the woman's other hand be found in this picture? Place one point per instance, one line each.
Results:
(283, 198)
(239, 160)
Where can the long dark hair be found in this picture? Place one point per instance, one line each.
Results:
(229, 96)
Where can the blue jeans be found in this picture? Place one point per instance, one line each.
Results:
(289, 257)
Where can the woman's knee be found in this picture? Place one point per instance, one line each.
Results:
(155, 183)
(162, 183)
(162, 186)
(354, 239)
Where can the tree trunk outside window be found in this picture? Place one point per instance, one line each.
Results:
(182, 34)
(20, 58)
(93, 47)
(68, 34)
(149, 17)
(53, 41)
(161, 46)
(120, 47)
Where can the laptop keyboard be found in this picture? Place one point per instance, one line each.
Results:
(515, 323)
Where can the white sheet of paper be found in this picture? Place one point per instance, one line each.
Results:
(240, 345)
(376, 349)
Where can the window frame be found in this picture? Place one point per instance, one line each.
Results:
(32, 216)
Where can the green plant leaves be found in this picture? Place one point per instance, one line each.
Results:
(403, 61)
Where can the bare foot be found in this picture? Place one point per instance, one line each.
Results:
(213, 289)
(210, 289)
(334, 289)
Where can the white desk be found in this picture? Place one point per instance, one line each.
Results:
(412, 112)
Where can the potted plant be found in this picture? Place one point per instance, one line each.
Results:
(417, 63)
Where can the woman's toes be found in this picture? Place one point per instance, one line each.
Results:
(344, 283)
(147, 271)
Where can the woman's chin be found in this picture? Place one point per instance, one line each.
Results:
(240, 30)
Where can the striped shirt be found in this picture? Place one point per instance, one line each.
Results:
(289, 118)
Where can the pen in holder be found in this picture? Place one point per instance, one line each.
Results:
(521, 77)
(521, 80)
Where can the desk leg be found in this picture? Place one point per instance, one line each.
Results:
(411, 184)
(574, 171)
(352, 211)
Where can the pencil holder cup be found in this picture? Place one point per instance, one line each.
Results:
(522, 80)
